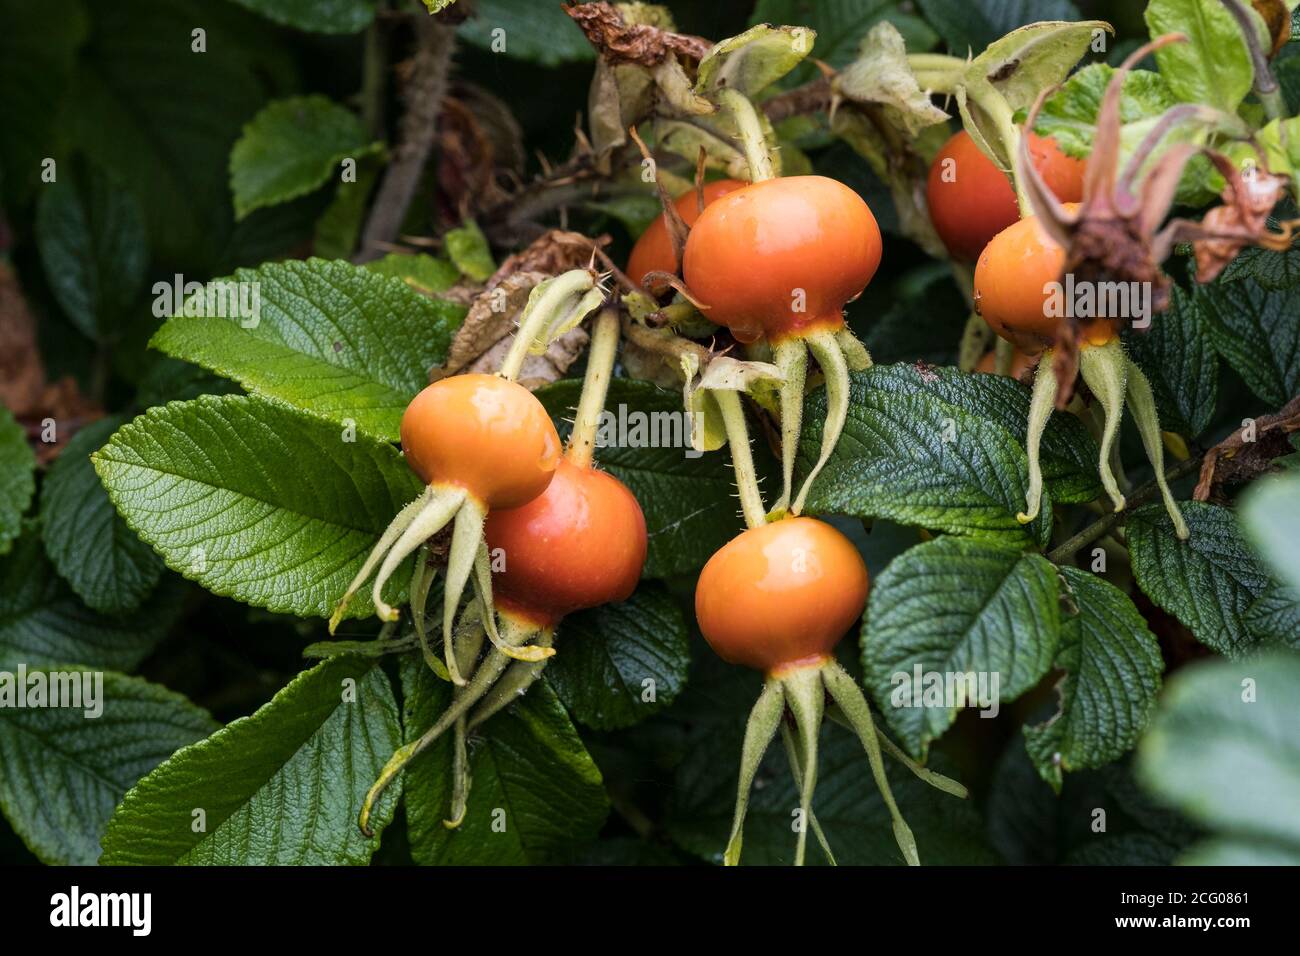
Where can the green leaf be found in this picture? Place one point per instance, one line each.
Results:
(1270, 517)
(608, 653)
(282, 787)
(291, 148)
(467, 247)
(110, 568)
(1069, 452)
(1069, 115)
(316, 16)
(17, 478)
(847, 804)
(881, 75)
(43, 622)
(1112, 668)
(753, 60)
(1208, 581)
(1033, 57)
(971, 25)
(166, 132)
(1275, 617)
(1178, 356)
(541, 33)
(951, 607)
(422, 272)
(1272, 270)
(38, 47)
(1255, 330)
(254, 500)
(841, 25)
(1214, 67)
(688, 499)
(331, 338)
(1223, 749)
(917, 460)
(536, 794)
(91, 236)
(62, 771)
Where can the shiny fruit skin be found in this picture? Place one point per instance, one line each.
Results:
(484, 434)
(653, 252)
(581, 543)
(973, 208)
(781, 594)
(1010, 278)
(753, 249)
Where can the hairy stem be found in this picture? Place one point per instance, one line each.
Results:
(595, 386)
(1102, 527)
(1266, 87)
(419, 126)
(742, 459)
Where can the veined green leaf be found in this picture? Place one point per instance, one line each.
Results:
(316, 16)
(43, 622)
(1214, 66)
(110, 568)
(1178, 356)
(292, 147)
(332, 338)
(536, 794)
(951, 610)
(1255, 330)
(91, 235)
(62, 771)
(1208, 581)
(282, 787)
(1112, 668)
(917, 460)
(619, 663)
(17, 478)
(255, 500)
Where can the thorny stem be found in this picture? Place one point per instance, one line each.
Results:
(742, 460)
(541, 313)
(751, 135)
(595, 386)
(1266, 88)
(1100, 528)
(423, 97)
